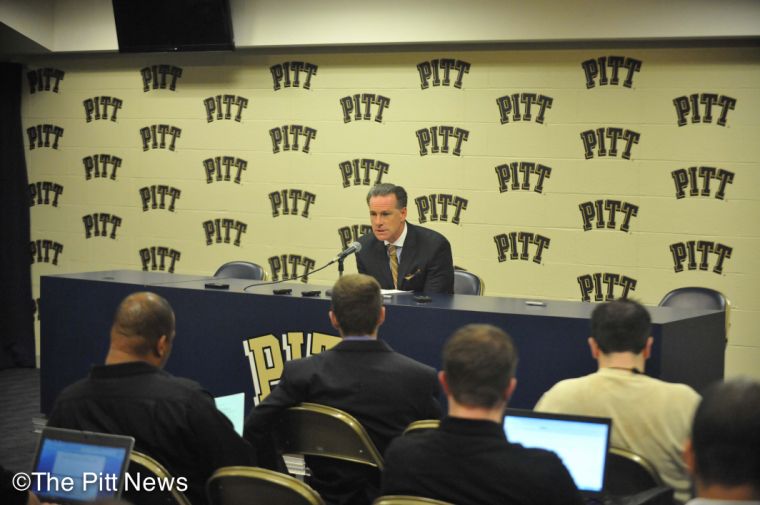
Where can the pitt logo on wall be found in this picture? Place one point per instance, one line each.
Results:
(223, 106)
(286, 137)
(596, 211)
(690, 105)
(159, 258)
(694, 177)
(267, 356)
(288, 74)
(357, 172)
(159, 197)
(513, 104)
(428, 207)
(154, 136)
(160, 77)
(352, 233)
(517, 244)
(286, 202)
(101, 224)
(44, 193)
(101, 107)
(44, 79)
(516, 176)
(101, 165)
(698, 252)
(221, 168)
(219, 231)
(286, 266)
(44, 135)
(608, 69)
(440, 70)
(437, 138)
(595, 139)
(45, 251)
(354, 105)
(603, 286)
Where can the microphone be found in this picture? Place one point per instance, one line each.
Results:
(353, 247)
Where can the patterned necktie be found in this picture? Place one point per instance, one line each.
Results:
(394, 264)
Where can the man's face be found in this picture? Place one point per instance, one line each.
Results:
(387, 220)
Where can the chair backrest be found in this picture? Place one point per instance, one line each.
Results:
(628, 473)
(236, 485)
(407, 500)
(422, 425)
(145, 465)
(242, 270)
(467, 283)
(319, 430)
(694, 297)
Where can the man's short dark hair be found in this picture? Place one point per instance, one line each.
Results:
(356, 303)
(726, 434)
(145, 316)
(621, 326)
(479, 361)
(384, 189)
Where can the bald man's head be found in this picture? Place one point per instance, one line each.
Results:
(141, 320)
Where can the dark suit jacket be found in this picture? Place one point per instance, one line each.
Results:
(384, 390)
(426, 263)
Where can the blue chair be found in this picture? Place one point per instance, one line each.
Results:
(467, 283)
(241, 270)
(694, 297)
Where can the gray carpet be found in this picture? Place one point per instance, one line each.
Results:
(19, 404)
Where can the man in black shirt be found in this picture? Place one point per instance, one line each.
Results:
(172, 419)
(468, 460)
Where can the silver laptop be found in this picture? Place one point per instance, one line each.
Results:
(76, 467)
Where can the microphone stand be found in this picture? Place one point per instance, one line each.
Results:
(340, 267)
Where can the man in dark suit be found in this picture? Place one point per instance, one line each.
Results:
(400, 255)
(385, 391)
(469, 460)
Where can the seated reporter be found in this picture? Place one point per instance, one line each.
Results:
(469, 459)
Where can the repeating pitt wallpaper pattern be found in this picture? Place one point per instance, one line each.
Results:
(585, 175)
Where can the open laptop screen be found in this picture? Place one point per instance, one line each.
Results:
(581, 442)
(79, 466)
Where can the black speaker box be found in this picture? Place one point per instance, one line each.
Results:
(173, 25)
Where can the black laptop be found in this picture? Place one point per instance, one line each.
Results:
(76, 467)
(581, 443)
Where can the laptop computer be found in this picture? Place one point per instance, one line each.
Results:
(581, 443)
(76, 467)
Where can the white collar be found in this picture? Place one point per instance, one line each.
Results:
(400, 240)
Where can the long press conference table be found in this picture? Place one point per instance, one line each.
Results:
(234, 341)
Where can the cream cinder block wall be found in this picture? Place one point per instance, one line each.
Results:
(641, 253)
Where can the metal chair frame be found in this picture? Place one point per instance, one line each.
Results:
(299, 433)
(258, 476)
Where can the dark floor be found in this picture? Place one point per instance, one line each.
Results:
(19, 404)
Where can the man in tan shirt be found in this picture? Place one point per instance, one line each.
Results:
(649, 417)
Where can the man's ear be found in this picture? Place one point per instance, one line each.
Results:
(334, 320)
(403, 214)
(648, 347)
(381, 316)
(444, 382)
(689, 458)
(163, 346)
(595, 351)
(510, 389)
